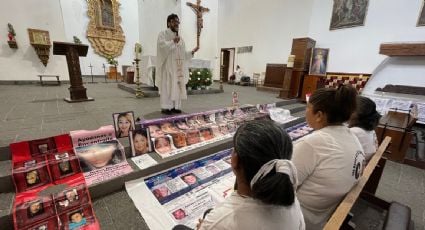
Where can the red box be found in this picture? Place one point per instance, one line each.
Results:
(70, 198)
(63, 164)
(31, 209)
(31, 174)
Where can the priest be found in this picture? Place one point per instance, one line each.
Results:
(172, 67)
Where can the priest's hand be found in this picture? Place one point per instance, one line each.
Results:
(195, 49)
(176, 39)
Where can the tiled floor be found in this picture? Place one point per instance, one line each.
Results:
(31, 111)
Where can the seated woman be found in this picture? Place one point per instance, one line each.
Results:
(330, 160)
(266, 181)
(363, 123)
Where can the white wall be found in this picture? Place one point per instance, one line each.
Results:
(357, 49)
(269, 26)
(76, 20)
(153, 19)
(23, 63)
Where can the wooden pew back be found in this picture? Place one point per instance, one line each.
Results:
(338, 217)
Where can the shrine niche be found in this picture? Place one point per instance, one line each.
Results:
(40, 40)
(104, 31)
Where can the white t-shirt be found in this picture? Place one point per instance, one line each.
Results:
(367, 139)
(246, 213)
(329, 162)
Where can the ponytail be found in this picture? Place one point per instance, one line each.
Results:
(261, 145)
(338, 104)
(276, 188)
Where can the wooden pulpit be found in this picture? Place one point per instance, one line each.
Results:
(72, 52)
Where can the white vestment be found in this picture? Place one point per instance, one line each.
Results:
(172, 73)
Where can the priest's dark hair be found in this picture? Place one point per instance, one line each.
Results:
(256, 143)
(365, 116)
(171, 17)
(337, 103)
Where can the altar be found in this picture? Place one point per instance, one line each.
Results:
(148, 63)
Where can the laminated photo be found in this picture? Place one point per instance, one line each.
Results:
(100, 155)
(140, 142)
(155, 131)
(168, 127)
(163, 145)
(179, 139)
(123, 123)
(181, 124)
(193, 136)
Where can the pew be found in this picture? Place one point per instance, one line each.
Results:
(398, 216)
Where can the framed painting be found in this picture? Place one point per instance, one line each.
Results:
(39, 37)
(319, 62)
(348, 13)
(421, 19)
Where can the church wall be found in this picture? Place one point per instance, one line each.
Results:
(268, 26)
(76, 20)
(208, 40)
(153, 18)
(23, 63)
(357, 49)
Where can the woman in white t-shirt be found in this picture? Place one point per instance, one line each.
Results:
(265, 179)
(363, 123)
(330, 160)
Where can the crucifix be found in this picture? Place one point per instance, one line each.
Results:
(199, 10)
(91, 73)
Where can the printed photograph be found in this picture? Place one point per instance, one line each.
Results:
(124, 122)
(35, 208)
(77, 220)
(100, 155)
(163, 145)
(139, 142)
(190, 179)
(32, 178)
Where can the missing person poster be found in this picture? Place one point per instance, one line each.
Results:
(101, 155)
(181, 195)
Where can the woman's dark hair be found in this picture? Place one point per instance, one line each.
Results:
(256, 143)
(171, 17)
(366, 116)
(338, 104)
(142, 132)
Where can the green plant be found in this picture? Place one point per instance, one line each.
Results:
(199, 78)
(111, 60)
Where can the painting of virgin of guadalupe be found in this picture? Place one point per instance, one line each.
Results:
(348, 13)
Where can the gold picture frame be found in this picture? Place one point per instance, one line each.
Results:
(348, 13)
(39, 37)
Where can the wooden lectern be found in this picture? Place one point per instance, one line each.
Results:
(72, 52)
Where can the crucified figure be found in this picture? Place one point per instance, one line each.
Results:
(199, 10)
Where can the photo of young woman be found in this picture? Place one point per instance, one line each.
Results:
(139, 142)
(155, 131)
(163, 145)
(124, 122)
(77, 219)
(179, 139)
(100, 155)
(168, 127)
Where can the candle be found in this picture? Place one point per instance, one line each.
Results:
(137, 50)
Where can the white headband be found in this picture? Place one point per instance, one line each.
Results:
(282, 166)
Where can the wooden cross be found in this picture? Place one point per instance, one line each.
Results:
(199, 10)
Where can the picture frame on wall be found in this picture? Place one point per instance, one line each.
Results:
(348, 13)
(319, 62)
(421, 18)
(39, 37)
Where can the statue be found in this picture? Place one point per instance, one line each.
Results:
(11, 35)
(77, 40)
(199, 10)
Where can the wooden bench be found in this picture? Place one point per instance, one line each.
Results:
(57, 82)
(398, 216)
